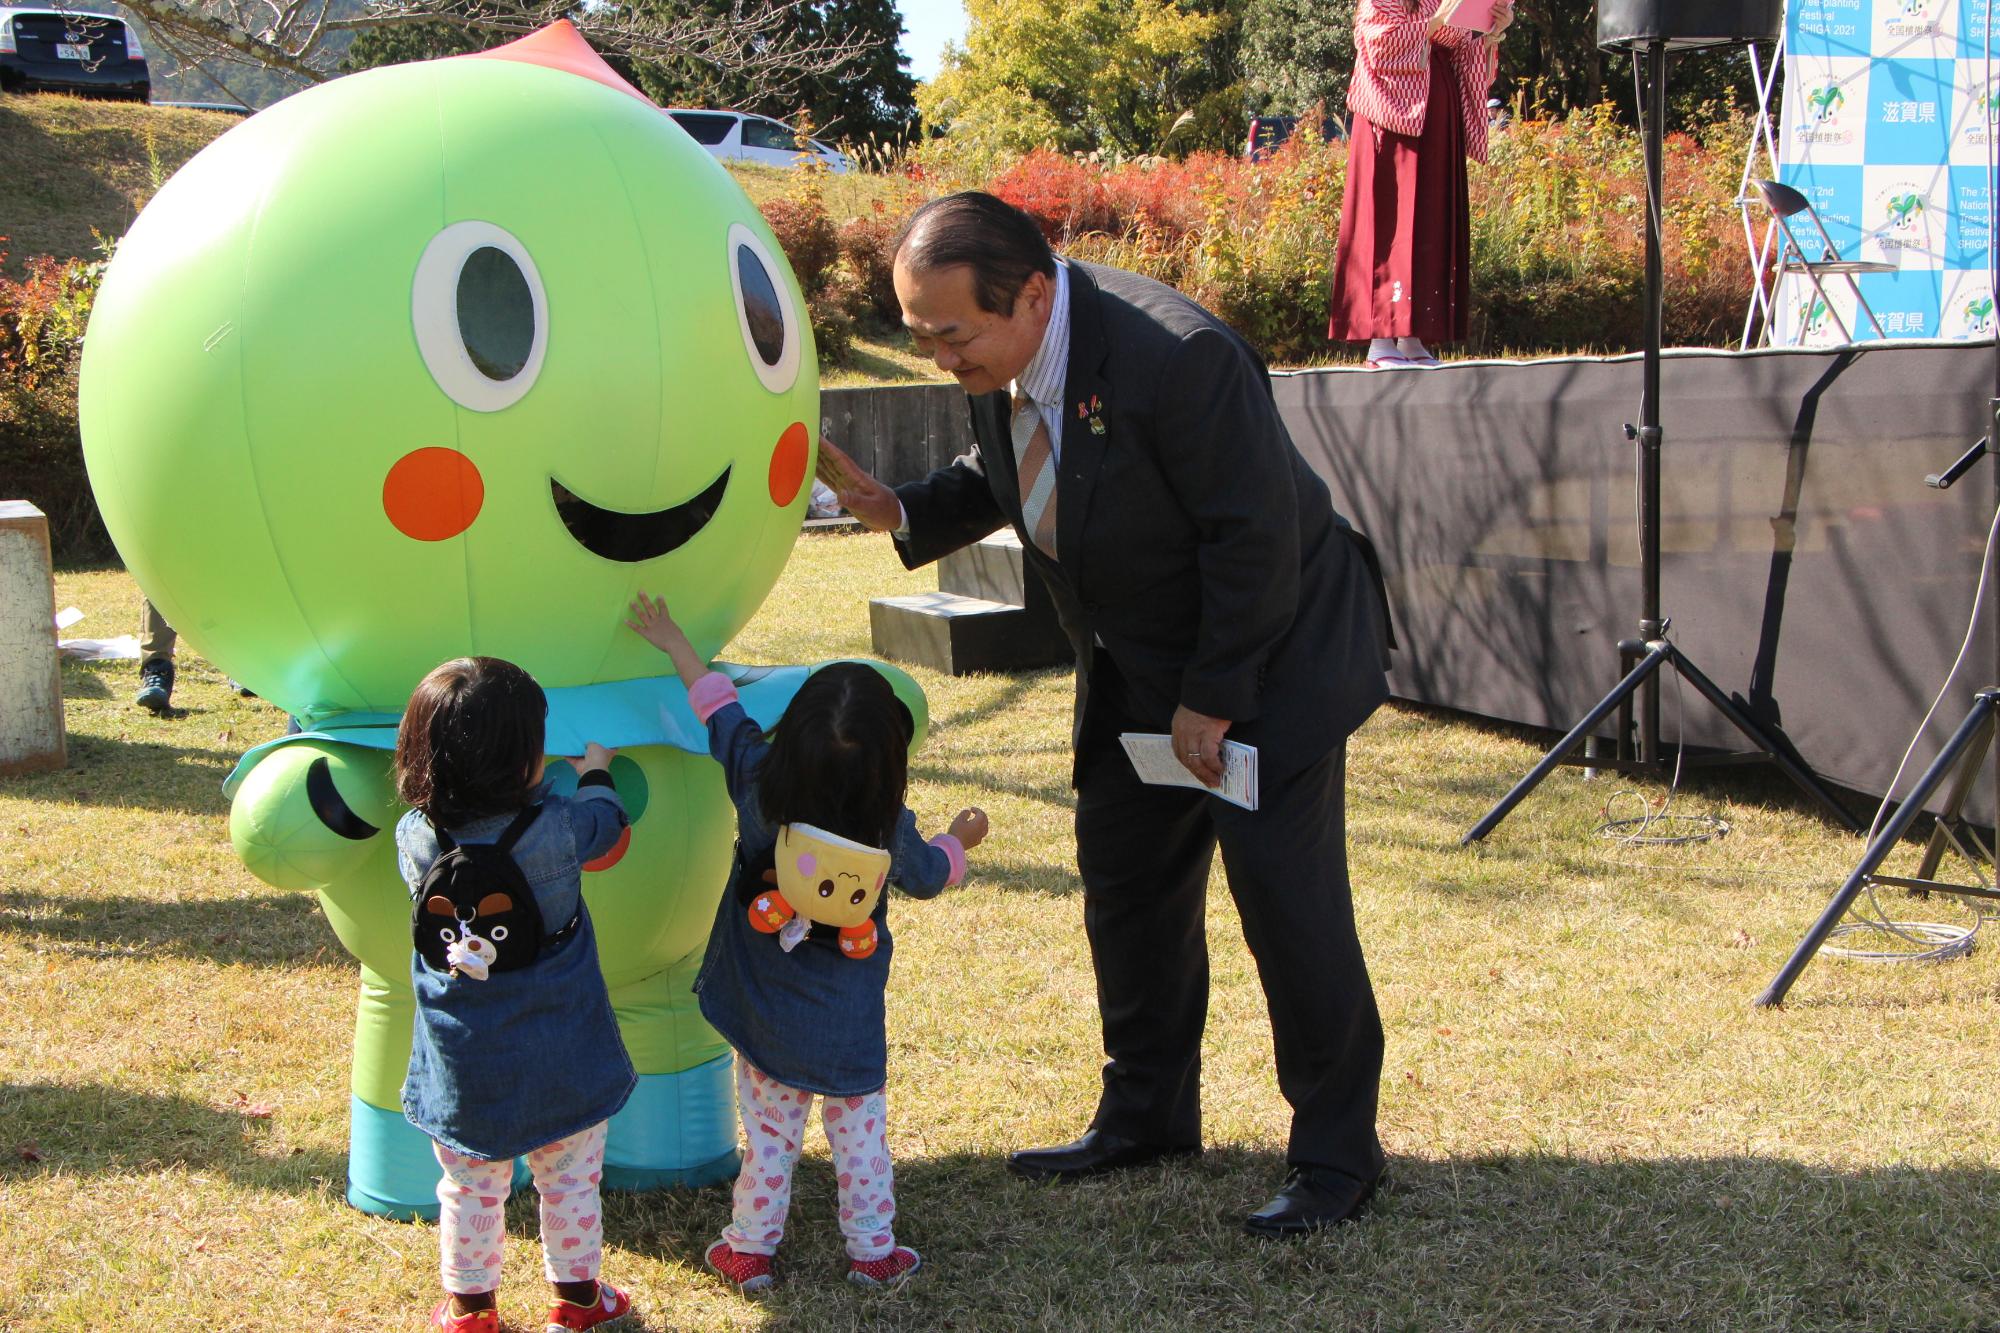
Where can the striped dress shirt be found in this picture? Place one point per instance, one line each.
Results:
(1042, 381)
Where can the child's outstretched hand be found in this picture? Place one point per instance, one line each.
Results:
(651, 622)
(594, 756)
(969, 827)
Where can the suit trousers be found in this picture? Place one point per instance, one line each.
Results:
(1145, 852)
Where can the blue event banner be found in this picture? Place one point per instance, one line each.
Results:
(1892, 109)
(1838, 27)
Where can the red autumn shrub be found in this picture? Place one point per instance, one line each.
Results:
(865, 252)
(808, 238)
(1166, 197)
(42, 317)
(1064, 195)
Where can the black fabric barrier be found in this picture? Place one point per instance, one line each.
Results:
(1806, 566)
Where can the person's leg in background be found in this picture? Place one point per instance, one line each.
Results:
(156, 661)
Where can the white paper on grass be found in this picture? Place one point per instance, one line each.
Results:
(124, 648)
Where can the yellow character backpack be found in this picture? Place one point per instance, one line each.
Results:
(826, 879)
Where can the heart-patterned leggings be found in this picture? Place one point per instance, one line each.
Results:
(774, 1126)
(473, 1194)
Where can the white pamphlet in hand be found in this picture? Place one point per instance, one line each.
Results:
(1154, 760)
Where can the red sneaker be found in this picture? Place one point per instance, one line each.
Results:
(477, 1321)
(750, 1272)
(887, 1271)
(611, 1304)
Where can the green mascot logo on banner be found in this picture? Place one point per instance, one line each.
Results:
(454, 358)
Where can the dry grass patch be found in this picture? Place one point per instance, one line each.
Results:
(74, 165)
(1589, 1125)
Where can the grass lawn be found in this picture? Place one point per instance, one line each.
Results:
(1589, 1125)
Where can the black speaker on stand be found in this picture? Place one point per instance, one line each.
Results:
(1649, 30)
(1684, 25)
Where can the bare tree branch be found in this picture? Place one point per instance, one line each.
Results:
(762, 43)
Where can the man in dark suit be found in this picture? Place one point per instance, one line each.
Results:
(1212, 592)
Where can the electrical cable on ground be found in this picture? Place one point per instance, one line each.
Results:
(1930, 941)
(1695, 828)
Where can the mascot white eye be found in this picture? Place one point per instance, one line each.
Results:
(447, 934)
(497, 934)
(481, 317)
(764, 310)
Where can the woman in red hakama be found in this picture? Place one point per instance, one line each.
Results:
(1417, 107)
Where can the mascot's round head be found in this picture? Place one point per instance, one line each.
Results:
(446, 359)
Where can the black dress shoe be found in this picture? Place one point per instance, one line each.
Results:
(1092, 1155)
(1312, 1197)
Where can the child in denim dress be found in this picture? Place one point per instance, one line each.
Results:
(525, 1059)
(804, 1013)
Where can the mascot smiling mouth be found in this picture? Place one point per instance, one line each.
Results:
(614, 534)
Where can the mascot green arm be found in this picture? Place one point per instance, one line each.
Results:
(912, 695)
(307, 814)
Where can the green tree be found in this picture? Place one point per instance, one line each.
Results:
(1298, 54)
(1125, 76)
(870, 94)
(874, 95)
(1550, 62)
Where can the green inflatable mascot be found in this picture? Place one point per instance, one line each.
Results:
(454, 358)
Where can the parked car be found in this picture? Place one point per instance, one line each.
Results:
(71, 51)
(736, 136)
(1268, 134)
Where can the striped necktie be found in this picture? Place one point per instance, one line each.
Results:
(1035, 464)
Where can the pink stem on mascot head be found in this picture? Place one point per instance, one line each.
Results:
(560, 46)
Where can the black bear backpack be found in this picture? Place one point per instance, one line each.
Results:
(474, 912)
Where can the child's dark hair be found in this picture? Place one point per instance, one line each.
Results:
(840, 756)
(470, 743)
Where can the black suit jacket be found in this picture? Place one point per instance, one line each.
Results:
(1194, 542)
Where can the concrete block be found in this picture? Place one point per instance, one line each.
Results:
(31, 715)
(996, 570)
(957, 635)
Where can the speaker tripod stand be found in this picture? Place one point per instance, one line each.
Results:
(1646, 656)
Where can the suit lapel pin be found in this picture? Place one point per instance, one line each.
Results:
(1091, 410)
